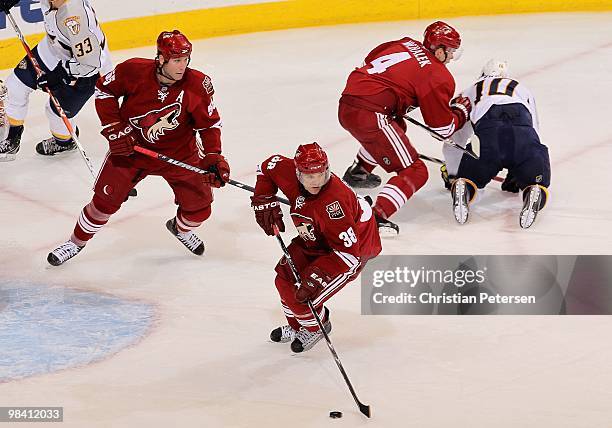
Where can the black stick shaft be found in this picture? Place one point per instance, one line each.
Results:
(184, 165)
(440, 137)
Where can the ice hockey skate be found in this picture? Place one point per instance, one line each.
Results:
(283, 334)
(534, 198)
(385, 226)
(10, 146)
(188, 239)
(63, 253)
(305, 340)
(460, 194)
(357, 177)
(51, 146)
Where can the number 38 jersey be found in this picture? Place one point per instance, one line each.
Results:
(335, 224)
(490, 91)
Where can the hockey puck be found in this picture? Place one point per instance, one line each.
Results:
(335, 415)
(133, 192)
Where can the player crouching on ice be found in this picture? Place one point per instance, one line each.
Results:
(504, 118)
(337, 236)
(164, 105)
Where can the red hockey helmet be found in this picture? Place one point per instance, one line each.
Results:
(173, 44)
(311, 159)
(441, 34)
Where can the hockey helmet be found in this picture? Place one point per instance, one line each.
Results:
(495, 68)
(311, 159)
(173, 44)
(441, 34)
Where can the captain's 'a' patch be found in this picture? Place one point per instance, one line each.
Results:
(334, 210)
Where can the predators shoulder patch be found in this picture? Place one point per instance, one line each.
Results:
(73, 24)
(208, 86)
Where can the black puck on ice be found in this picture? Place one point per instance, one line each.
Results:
(335, 415)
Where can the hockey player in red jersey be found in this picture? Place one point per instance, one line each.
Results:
(164, 105)
(337, 236)
(397, 77)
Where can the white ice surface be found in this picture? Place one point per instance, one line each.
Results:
(208, 362)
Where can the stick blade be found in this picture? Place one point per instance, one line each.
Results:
(365, 409)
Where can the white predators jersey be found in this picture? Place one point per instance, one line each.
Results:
(490, 91)
(74, 36)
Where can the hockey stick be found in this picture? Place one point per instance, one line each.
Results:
(363, 408)
(184, 165)
(439, 137)
(54, 100)
(441, 162)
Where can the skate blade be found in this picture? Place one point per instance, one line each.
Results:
(60, 154)
(7, 157)
(530, 212)
(387, 232)
(460, 206)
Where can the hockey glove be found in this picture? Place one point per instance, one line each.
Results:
(6, 5)
(54, 79)
(268, 213)
(216, 163)
(121, 140)
(314, 280)
(462, 107)
(510, 184)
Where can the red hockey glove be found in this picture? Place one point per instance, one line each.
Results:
(216, 163)
(314, 280)
(268, 213)
(121, 141)
(462, 107)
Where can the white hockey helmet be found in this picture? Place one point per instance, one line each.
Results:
(495, 68)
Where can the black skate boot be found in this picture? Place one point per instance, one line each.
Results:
(52, 146)
(10, 146)
(305, 340)
(385, 226)
(357, 177)
(63, 253)
(189, 239)
(283, 334)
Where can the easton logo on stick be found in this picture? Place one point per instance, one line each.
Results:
(155, 123)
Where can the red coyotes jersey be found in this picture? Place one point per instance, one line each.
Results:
(165, 118)
(416, 78)
(336, 223)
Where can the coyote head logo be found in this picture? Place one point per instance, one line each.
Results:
(155, 123)
(306, 231)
